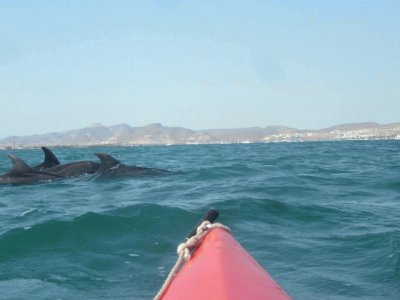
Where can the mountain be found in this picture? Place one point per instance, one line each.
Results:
(157, 134)
(353, 126)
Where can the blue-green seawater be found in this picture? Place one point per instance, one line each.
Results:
(322, 218)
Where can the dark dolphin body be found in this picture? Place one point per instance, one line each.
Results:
(21, 173)
(75, 169)
(50, 160)
(110, 167)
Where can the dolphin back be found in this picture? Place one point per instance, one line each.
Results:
(107, 162)
(21, 173)
(50, 160)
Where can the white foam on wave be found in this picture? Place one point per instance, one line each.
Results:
(27, 212)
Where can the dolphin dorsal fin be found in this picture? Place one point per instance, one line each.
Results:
(18, 164)
(106, 161)
(50, 160)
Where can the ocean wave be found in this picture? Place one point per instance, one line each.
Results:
(92, 229)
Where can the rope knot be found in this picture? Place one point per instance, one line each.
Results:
(186, 249)
(203, 227)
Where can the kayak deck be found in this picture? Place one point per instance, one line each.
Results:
(222, 269)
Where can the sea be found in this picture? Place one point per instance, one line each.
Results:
(323, 218)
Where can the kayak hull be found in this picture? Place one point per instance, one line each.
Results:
(222, 269)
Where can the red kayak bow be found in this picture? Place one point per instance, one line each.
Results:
(222, 269)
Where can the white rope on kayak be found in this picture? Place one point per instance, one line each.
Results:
(186, 249)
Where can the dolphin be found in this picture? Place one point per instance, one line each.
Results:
(50, 160)
(75, 169)
(110, 167)
(21, 173)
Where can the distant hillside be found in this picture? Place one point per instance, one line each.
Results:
(157, 134)
(247, 134)
(353, 126)
(98, 134)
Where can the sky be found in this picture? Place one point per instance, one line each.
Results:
(67, 64)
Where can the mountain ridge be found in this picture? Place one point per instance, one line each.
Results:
(157, 134)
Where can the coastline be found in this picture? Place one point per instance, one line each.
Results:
(157, 134)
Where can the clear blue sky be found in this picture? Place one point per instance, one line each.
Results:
(197, 64)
